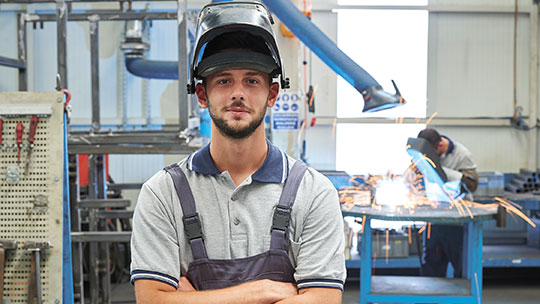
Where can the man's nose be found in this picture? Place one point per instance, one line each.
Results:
(238, 91)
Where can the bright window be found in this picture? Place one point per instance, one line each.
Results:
(383, 2)
(374, 148)
(390, 45)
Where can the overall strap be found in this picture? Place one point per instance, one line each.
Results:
(192, 223)
(282, 214)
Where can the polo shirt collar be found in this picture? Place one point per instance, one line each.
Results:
(450, 145)
(271, 171)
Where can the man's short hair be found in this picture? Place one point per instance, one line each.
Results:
(431, 135)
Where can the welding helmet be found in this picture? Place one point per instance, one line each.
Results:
(235, 35)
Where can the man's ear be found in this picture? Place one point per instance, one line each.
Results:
(274, 92)
(201, 96)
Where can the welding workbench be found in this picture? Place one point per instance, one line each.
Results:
(400, 289)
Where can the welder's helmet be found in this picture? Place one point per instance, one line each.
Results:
(235, 35)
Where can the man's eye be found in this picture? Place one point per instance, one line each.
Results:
(222, 81)
(253, 81)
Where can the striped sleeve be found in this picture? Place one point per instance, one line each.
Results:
(320, 283)
(153, 275)
(154, 244)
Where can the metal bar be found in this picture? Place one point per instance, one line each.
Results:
(104, 16)
(21, 43)
(466, 263)
(77, 262)
(71, 1)
(134, 186)
(365, 268)
(383, 298)
(131, 149)
(12, 63)
(61, 36)
(476, 288)
(104, 203)
(438, 121)
(92, 186)
(101, 236)
(533, 87)
(183, 105)
(115, 214)
(125, 138)
(94, 59)
(103, 264)
(93, 275)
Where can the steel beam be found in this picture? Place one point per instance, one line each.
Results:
(133, 186)
(94, 62)
(183, 72)
(115, 214)
(104, 16)
(533, 88)
(131, 149)
(71, 1)
(61, 36)
(104, 203)
(105, 237)
(78, 278)
(134, 137)
(12, 63)
(21, 50)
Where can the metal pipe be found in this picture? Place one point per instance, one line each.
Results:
(321, 45)
(183, 71)
(61, 36)
(94, 59)
(154, 69)
(533, 87)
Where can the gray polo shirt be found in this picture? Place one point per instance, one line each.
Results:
(236, 221)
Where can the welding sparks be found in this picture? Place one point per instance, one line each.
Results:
(392, 192)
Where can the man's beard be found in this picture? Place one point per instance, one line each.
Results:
(236, 133)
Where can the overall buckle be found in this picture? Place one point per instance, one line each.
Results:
(192, 226)
(281, 218)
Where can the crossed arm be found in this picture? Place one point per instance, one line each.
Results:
(258, 292)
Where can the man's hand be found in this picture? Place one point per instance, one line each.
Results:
(184, 285)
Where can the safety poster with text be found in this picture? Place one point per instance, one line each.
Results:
(285, 113)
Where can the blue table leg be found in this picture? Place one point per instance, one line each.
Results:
(476, 260)
(365, 262)
(467, 270)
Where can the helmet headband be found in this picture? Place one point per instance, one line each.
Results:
(236, 60)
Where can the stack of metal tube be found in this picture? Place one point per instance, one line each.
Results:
(525, 181)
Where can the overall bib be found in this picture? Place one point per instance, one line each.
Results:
(274, 264)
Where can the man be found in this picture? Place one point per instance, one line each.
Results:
(446, 242)
(218, 226)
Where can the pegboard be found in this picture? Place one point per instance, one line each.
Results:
(31, 201)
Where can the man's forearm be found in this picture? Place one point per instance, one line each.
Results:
(263, 292)
(315, 296)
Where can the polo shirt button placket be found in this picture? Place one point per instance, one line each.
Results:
(234, 197)
(236, 221)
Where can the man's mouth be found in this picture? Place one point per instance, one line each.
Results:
(237, 110)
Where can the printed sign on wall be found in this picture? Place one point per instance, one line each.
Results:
(286, 111)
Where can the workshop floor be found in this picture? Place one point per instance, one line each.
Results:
(500, 287)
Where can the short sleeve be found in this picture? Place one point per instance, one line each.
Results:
(320, 260)
(154, 241)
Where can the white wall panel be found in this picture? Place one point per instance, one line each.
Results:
(501, 149)
(8, 49)
(470, 64)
